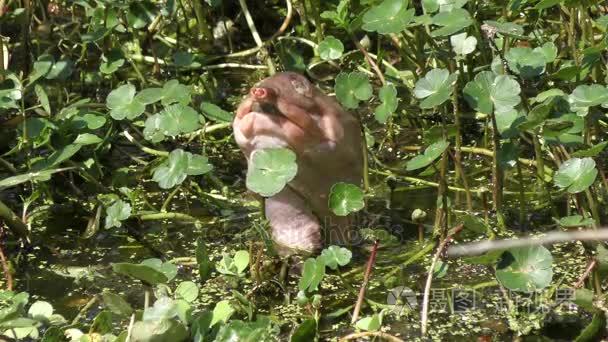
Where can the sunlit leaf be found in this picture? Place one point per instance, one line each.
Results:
(330, 48)
(117, 212)
(173, 92)
(178, 166)
(370, 323)
(390, 16)
(388, 96)
(187, 290)
(222, 312)
(451, 22)
(526, 62)
(352, 88)
(489, 91)
(576, 174)
(435, 88)
(111, 62)
(593, 151)
(525, 269)
(430, 154)
(122, 103)
(216, 113)
(575, 221)
(142, 272)
(313, 272)
(585, 96)
(345, 198)
(462, 44)
(116, 303)
(40, 310)
(270, 170)
(334, 256)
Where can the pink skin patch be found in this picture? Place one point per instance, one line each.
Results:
(260, 93)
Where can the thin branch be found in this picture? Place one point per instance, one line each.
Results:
(13, 222)
(256, 35)
(5, 268)
(368, 271)
(429, 279)
(142, 147)
(476, 248)
(380, 334)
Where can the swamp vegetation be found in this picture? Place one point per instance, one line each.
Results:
(125, 214)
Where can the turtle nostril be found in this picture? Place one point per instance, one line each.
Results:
(259, 93)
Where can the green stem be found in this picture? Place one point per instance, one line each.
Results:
(163, 208)
(167, 216)
(13, 222)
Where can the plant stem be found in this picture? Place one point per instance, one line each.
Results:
(13, 222)
(368, 272)
(256, 37)
(522, 196)
(168, 216)
(6, 269)
(429, 279)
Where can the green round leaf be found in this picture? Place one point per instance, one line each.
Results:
(178, 166)
(525, 269)
(173, 92)
(334, 256)
(549, 50)
(40, 310)
(451, 21)
(352, 88)
(117, 212)
(505, 93)
(216, 113)
(149, 95)
(241, 261)
(87, 139)
(330, 48)
(313, 272)
(111, 62)
(222, 312)
(576, 174)
(116, 304)
(94, 121)
(477, 92)
(390, 16)
(187, 290)
(142, 272)
(575, 221)
(585, 96)
(345, 198)
(167, 268)
(122, 103)
(370, 323)
(305, 332)
(430, 154)
(270, 170)
(120, 96)
(462, 44)
(174, 120)
(435, 88)
(388, 96)
(526, 62)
